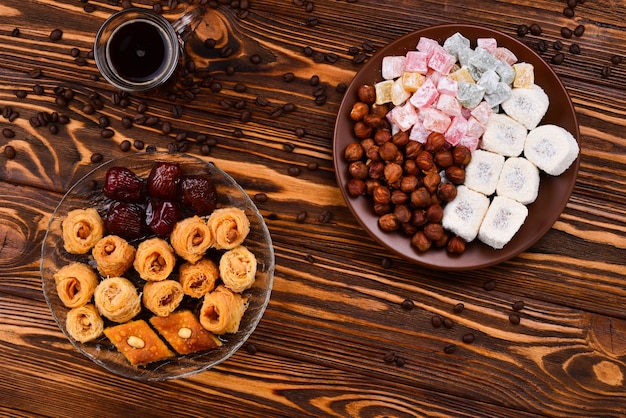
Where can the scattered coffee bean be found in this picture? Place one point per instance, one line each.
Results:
(312, 21)
(166, 128)
(574, 49)
(522, 30)
(251, 349)
(88, 109)
(308, 51)
(15, 32)
(314, 80)
(139, 119)
(34, 122)
(240, 104)
(400, 361)
(288, 146)
(535, 29)
(53, 128)
(558, 59)
(36, 73)
(489, 285)
(606, 71)
(447, 323)
(289, 77)
(385, 262)
(13, 116)
(238, 133)
(449, 349)
(240, 88)
(151, 120)
(177, 111)
(542, 45)
(389, 357)
(56, 35)
(245, 116)
(319, 57)
(255, 59)
(514, 319)
(566, 33)
(436, 321)
(261, 101)
(341, 88)
(301, 217)
(9, 152)
(353, 50)
(142, 107)
(8, 133)
(63, 120)
(104, 121)
(138, 144)
(293, 171)
(210, 43)
(300, 132)
(310, 258)
(75, 52)
(458, 308)
(312, 166)
(518, 305)
(96, 158)
(468, 338)
(277, 112)
(572, 3)
(407, 305)
(226, 52)
(125, 145)
(107, 133)
(6, 111)
(205, 149)
(21, 94)
(568, 12)
(289, 107)
(368, 46)
(616, 59)
(320, 100)
(260, 197)
(331, 57)
(557, 45)
(359, 58)
(38, 89)
(215, 86)
(181, 136)
(325, 217)
(579, 30)
(89, 8)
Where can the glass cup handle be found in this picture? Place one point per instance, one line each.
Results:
(188, 22)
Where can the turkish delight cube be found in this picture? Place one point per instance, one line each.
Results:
(474, 127)
(506, 72)
(393, 66)
(398, 94)
(411, 81)
(435, 120)
(501, 93)
(462, 74)
(425, 95)
(384, 91)
(456, 131)
(419, 133)
(455, 43)
(488, 44)
(524, 75)
(489, 80)
(449, 105)
(470, 95)
(404, 117)
(505, 54)
(417, 62)
(482, 112)
(427, 45)
(446, 85)
(441, 61)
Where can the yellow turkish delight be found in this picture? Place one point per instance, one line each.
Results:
(524, 75)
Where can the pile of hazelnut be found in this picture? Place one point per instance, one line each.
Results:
(408, 182)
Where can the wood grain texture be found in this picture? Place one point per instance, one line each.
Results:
(336, 310)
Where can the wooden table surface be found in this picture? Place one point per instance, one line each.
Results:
(336, 312)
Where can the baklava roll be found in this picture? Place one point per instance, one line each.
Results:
(84, 323)
(238, 269)
(113, 255)
(198, 279)
(75, 284)
(222, 311)
(230, 227)
(116, 299)
(163, 297)
(191, 237)
(154, 260)
(82, 228)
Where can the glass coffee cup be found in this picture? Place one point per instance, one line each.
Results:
(138, 50)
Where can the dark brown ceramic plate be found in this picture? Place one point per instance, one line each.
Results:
(554, 192)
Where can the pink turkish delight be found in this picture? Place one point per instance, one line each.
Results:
(427, 45)
(449, 105)
(425, 95)
(435, 120)
(471, 142)
(404, 117)
(456, 131)
(488, 44)
(419, 133)
(446, 85)
(482, 112)
(505, 54)
(441, 61)
(416, 62)
(474, 128)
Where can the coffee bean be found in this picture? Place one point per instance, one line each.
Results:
(255, 59)
(579, 30)
(89, 8)
(9, 152)
(309, 6)
(300, 132)
(125, 145)
(557, 45)
(542, 45)
(312, 21)
(294, 171)
(458, 308)
(177, 111)
(574, 49)
(518, 305)
(407, 305)
(226, 52)
(320, 100)
(385, 262)
(181, 136)
(468, 338)
(449, 349)
(325, 217)
(210, 43)
(262, 101)
(53, 128)
(138, 144)
(289, 107)
(319, 91)
(251, 349)
(139, 119)
(14, 115)
(522, 30)
(38, 89)
(368, 46)
(489, 285)
(314, 80)
(63, 120)
(558, 59)
(205, 149)
(230, 69)
(568, 12)
(124, 102)
(308, 51)
(240, 104)
(319, 57)
(142, 107)
(15, 32)
(289, 77)
(389, 357)
(8, 133)
(151, 120)
(6, 111)
(96, 158)
(36, 73)
(277, 112)
(172, 148)
(514, 319)
(215, 86)
(289, 146)
(572, 3)
(616, 59)
(606, 71)
(341, 88)
(61, 101)
(238, 133)
(447, 323)
(260, 197)
(312, 166)
(301, 217)
(535, 29)
(107, 133)
(359, 58)
(436, 321)
(245, 116)
(34, 122)
(566, 33)
(21, 94)
(56, 35)
(331, 57)
(104, 121)
(75, 52)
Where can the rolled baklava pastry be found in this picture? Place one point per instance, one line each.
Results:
(162, 297)
(82, 229)
(75, 284)
(198, 279)
(238, 269)
(222, 311)
(191, 237)
(154, 259)
(113, 255)
(84, 323)
(116, 299)
(229, 226)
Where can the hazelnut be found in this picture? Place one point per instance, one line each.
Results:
(362, 130)
(382, 195)
(434, 199)
(367, 93)
(418, 218)
(412, 149)
(356, 187)
(443, 241)
(435, 142)
(455, 174)
(461, 155)
(353, 152)
(372, 153)
(409, 183)
(382, 208)
(411, 168)
(381, 136)
(358, 170)
(456, 245)
(393, 172)
(366, 144)
(446, 192)
(421, 242)
(376, 169)
(398, 197)
(380, 110)
(388, 222)
(409, 229)
(444, 158)
(434, 231)
(400, 138)
(372, 120)
(358, 111)
(403, 213)
(370, 185)
(434, 213)
(420, 198)
(388, 151)
(431, 181)
(424, 161)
